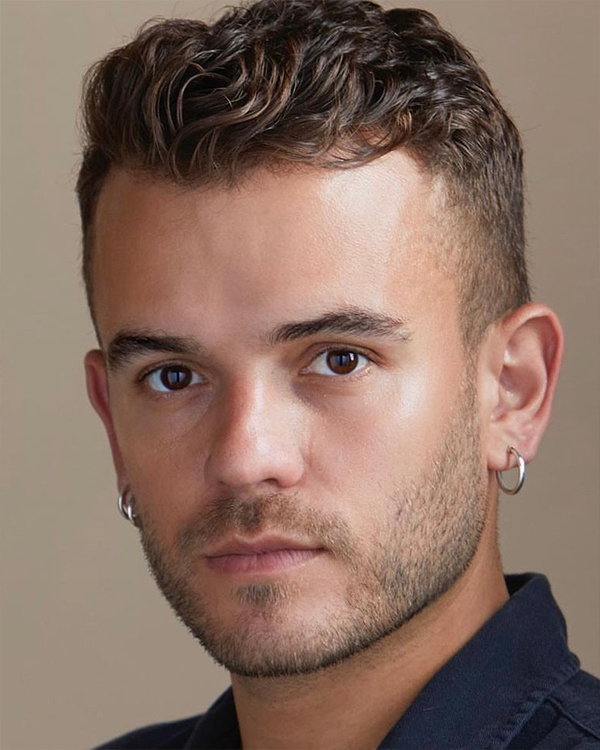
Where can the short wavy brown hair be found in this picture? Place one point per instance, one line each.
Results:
(331, 84)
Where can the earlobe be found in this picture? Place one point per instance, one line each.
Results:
(528, 351)
(97, 389)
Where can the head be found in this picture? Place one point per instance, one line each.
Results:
(329, 85)
(304, 258)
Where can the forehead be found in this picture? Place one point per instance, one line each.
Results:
(277, 247)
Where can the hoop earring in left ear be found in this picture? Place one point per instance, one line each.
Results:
(125, 505)
(521, 478)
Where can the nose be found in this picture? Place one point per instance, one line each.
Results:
(256, 441)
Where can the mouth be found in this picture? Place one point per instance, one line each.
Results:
(261, 555)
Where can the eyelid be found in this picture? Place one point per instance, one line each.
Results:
(333, 348)
(143, 375)
(158, 393)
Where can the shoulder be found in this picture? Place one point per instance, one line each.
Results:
(569, 717)
(171, 735)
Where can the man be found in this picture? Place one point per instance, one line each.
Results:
(304, 258)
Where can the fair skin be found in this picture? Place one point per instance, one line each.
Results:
(338, 464)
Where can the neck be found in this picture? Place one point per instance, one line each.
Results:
(325, 709)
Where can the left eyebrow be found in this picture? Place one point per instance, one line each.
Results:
(349, 320)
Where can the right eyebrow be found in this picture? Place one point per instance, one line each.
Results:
(129, 344)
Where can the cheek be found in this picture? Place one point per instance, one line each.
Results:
(384, 437)
(163, 458)
(152, 431)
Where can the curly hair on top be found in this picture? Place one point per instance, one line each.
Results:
(331, 84)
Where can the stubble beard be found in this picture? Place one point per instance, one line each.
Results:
(420, 552)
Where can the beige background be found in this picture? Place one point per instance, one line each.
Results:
(88, 647)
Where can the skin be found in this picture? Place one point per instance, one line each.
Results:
(342, 462)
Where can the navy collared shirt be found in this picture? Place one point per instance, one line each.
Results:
(515, 685)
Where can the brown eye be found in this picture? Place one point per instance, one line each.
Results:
(342, 363)
(338, 362)
(175, 377)
(172, 378)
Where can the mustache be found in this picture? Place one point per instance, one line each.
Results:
(274, 513)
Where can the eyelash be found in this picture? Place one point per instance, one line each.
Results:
(144, 375)
(344, 350)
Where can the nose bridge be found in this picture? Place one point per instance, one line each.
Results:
(245, 409)
(256, 437)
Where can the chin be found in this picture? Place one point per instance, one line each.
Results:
(274, 634)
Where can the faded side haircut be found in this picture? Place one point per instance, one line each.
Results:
(331, 84)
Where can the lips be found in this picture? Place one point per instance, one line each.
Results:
(261, 555)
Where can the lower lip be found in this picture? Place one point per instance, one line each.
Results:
(263, 562)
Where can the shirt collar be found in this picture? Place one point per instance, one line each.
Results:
(488, 690)
(481, 697)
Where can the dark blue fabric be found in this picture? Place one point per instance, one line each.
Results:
(514, 686)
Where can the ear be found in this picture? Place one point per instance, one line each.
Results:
(97, 389)
(522, 360)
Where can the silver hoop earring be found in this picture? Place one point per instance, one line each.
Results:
(521, 478)
(125, 505)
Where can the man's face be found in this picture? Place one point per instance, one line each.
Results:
(289, 400)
